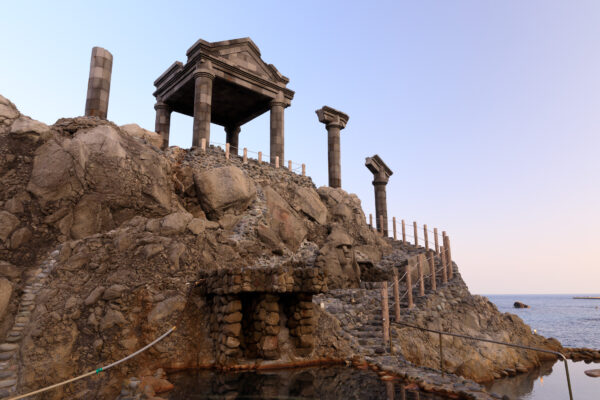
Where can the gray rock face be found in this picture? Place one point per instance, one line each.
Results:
(224, 189)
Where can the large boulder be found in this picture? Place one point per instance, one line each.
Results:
(338, 260)
(8, 111)
(283, 220)
(224, 189)
(307, 200)
(137, 131)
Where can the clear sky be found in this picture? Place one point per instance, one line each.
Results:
(486, 111)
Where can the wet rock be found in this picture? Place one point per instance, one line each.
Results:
(518, 304)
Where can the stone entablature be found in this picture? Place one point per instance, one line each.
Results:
(226, 83)
(263, 279)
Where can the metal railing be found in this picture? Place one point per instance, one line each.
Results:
(519, 346)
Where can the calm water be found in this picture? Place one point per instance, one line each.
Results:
(575, 323)
(333, 382)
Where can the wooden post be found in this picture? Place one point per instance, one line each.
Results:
(432, 269)
(421, 279)
(444, 270)
(290, 165)
(416, 233)
(394, 223)
(426, 237)
(389, 390)
(409, 286)
(260, 157)
(303, 169)
(450, 266)
(385, 309)
(371, 220)
(276, 161)
(381, 225)
(396, 296)
(435, 238)
(245, 160)
(227, 151)
(203, 144)
(403, 232)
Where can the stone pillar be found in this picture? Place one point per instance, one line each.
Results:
(233, 134)
(277, 140)
(203, 76)
(162, 125)
(382, 174)
(334, 121)
(96, 104)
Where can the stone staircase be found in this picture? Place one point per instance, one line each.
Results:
(9, 349)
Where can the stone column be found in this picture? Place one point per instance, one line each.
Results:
(277, 107)
(162, 125)
(233, 133)
(335, 121)
(203, 76)
(96, 104)
(382, 174)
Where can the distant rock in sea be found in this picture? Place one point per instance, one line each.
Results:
(518, 304)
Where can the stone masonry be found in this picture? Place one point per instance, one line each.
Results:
(381, 174)
(96, 104)
(334, 121)
(250, 304)
(226, 83)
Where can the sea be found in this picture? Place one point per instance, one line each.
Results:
(575, 323)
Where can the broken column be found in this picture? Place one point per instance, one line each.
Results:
(334, 121)
(381, 174)
(96, 104)
(162, 124)
(203, 84)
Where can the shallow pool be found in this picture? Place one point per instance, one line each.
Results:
(332, 382)
(549, 382)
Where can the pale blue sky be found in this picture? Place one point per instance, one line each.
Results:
(486, 111)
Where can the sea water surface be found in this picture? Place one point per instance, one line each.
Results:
(575, 323)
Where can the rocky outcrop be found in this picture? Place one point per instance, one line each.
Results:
(106, 240)
(518, 304)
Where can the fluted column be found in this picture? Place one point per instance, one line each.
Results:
(277, 139)
(203, 76)
(334, 121)
(233, 134)
(162, 125)
(96, 104)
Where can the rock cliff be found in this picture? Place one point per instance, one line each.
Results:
(106, 242)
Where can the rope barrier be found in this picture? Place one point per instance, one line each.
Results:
(98, 370)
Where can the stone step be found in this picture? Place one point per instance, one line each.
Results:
(8, 374)
(7, 355)
(14, 339)
(8, 347)
(8, 382)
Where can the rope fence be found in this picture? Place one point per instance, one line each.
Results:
(300, 169)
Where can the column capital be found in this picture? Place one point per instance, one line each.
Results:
(204, 69)
(160, 105)
(332, 117)
(280, 100)
(233, 129)
(381, 172)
